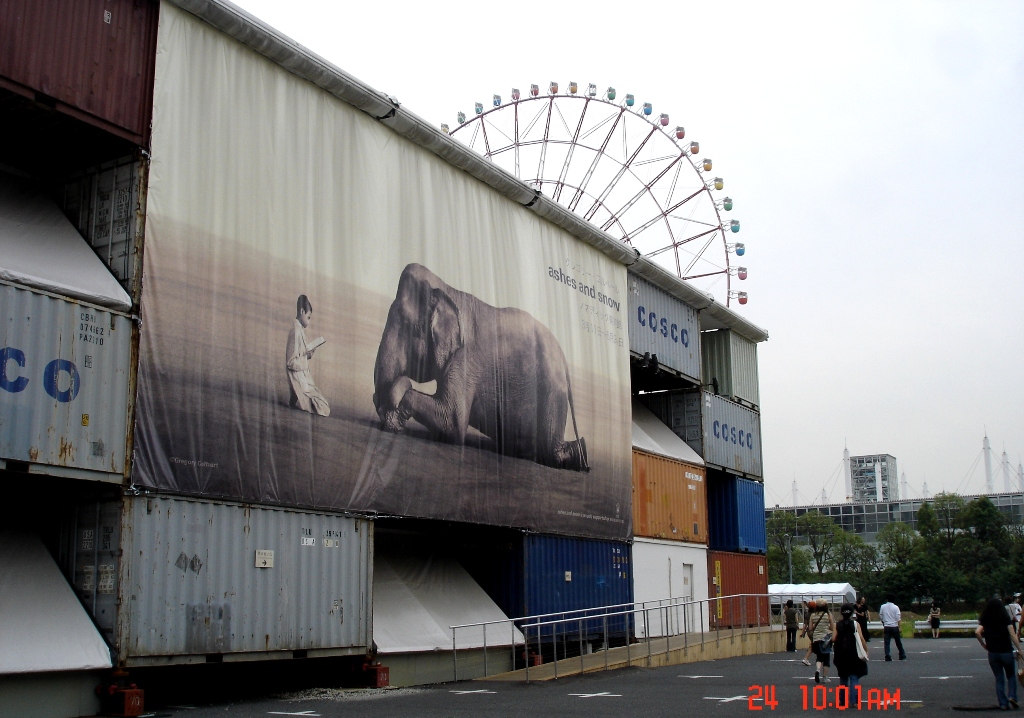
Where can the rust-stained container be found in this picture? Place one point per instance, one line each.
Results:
(91, 59)
(64, 385)
(730, 574)
(669, 499)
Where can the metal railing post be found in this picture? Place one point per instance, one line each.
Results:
(743, 612)
(526, 650)
(554, 649)
(579, 626)
(485, 650)
(455, 657)
(668, 634)
(607, 646)
(686, 625)
(700, 608)
(647, 634)
(513, 625)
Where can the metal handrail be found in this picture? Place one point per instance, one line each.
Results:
(636, 609)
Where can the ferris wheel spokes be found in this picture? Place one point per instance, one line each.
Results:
(616, 166)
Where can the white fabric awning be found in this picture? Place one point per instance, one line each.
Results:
(415, 600)
(43, 626)
(40, 248)
(811, 591)
(652, 436)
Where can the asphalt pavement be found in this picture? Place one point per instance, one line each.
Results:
(937, 675)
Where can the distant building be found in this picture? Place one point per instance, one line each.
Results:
(874, 478)
(866, 519)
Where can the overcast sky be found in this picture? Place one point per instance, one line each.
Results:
(875, 153)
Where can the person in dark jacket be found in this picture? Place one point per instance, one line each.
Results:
(861, 614)
(792, 625)
(849, 665)
(996, 635)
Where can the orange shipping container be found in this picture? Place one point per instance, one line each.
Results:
(670, 499)
(731, 574)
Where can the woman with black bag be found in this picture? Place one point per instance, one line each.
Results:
(850, 651)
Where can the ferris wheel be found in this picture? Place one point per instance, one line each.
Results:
(620, 166)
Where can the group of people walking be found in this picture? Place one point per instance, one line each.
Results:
(844, 642)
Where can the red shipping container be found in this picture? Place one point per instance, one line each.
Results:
(91, 59)
(731, 574)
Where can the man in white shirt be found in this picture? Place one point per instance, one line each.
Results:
(1013, 608)
(889, 614)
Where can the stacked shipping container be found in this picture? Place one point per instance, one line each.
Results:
(736, 514)
(669, 526)
(173, 578)
(731, 442)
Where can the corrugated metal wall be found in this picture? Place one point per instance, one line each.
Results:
(732, 360)
(563, 574)
(95, 560)
(63, 382)
(95, 56)
(669, 499)
(730, 574)
(661, 324)
(190, 584)
(732, 435)
(670, 570)
(736, 514)
(681, 413)
(106, 205)
(745, 383)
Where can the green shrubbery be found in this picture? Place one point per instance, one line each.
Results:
(962, 552)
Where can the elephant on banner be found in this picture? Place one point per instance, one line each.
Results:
(498, 370)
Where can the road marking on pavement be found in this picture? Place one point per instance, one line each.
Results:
(604, 694)
(725, 700)
(923, 652)
(942, 678)
(301, 713)
(700, 676)
(463, 693)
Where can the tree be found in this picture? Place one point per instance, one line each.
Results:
(822, 534)
(928, 523)
(947, 508)
(898, 542)
(778, 526)
(847, 555)
(778, 565)
(984, 521)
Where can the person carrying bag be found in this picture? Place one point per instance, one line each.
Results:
(821, 636)
(851, 651)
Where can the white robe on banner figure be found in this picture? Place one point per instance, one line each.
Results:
(304, 394)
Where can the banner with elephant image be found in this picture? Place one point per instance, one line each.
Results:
(334, 318)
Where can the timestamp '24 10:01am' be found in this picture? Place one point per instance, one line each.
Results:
(822, 697)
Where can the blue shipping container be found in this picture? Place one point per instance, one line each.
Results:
(540, 574)
(736, 514)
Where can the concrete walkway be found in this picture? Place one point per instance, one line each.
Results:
(676, 650)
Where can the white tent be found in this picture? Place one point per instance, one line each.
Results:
(41, 249)
(43, 626)
(812, 591)
(652, 436)
(416, 600)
